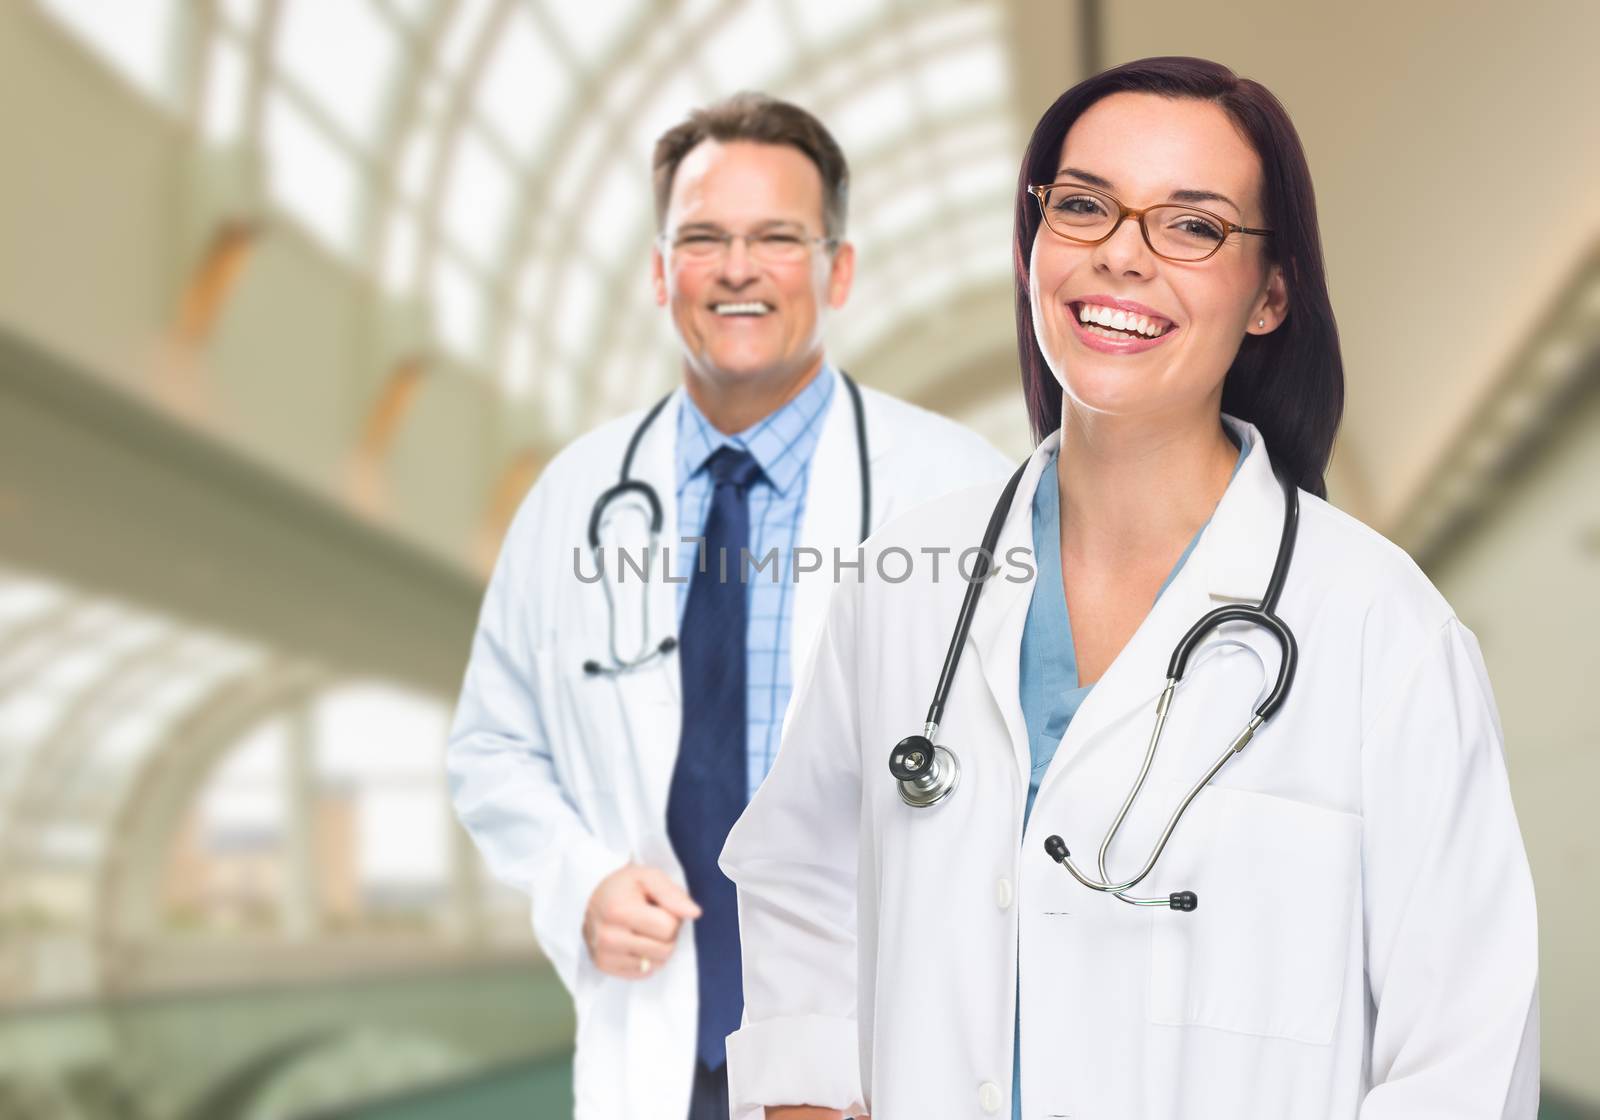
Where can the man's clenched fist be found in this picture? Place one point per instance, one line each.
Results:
(631, 922)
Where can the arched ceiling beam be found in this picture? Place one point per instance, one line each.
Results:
(127, 896)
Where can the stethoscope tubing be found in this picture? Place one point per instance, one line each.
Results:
(927, 772)
(626, 484)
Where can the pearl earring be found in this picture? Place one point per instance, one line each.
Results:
(1261, 322)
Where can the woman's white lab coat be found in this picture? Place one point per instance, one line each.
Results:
(562, 777)
(1365, 941)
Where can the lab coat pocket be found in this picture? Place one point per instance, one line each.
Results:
(1266, 952)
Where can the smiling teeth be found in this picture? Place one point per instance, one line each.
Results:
(746, 308)
(1121, 320)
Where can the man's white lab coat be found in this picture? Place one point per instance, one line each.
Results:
(562, 777)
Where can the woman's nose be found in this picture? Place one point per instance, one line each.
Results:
(1125, 253)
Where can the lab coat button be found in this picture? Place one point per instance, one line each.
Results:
(1003, 893)
(989, 1097)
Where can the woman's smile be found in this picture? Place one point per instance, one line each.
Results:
(1118, 326)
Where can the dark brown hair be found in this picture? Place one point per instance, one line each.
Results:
(1290, 383)
(760, 119)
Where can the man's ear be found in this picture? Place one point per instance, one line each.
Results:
(658, 276)
(1272, 305)
(842, 273)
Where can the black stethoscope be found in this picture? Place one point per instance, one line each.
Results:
(626, 485)
(927, 773)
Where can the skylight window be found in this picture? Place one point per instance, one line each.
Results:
(590, 28)
(458, 304)
(580, 300)
(227, 79)
(134, 36)
(400, 254)
(747, 51)
(616, 212)
(342, 56)
(824, 25)
(309, 176)
(242, 15)
(524, 87)
(461, 38)
(477, 200)
(953, 80)
(882, 111)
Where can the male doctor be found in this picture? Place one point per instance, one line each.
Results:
(612, 729)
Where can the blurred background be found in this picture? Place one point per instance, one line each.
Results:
(297, 296)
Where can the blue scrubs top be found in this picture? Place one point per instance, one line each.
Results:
(1051, 695)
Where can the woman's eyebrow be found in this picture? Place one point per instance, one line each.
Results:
(1084, 176)
(1100, 181)
(1204, 196)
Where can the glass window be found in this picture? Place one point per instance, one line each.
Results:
(516, 376)
(458, 306)
(524, 86)
(134, 36)
(591, 27)
(477, 199)
(342, 56)
(748, 49)
(416, 162)
(400, 253)
(620, 209)
(461, 37)
(308, 175)
(823, 25)
(578, 302)
(241, 15)
(882, 111)
(227, 84)
(953, 80)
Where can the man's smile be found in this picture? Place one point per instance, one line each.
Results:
(744, 308)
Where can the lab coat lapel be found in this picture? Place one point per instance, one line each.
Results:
(648, 699)
(1231, 563)
(656, 463)
(996, 634)
(832, 516)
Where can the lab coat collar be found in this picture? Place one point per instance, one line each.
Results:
(833, 506)
(1232, 562)
(655, 462)
(996, 633)
(832, 516)
(1241, 543)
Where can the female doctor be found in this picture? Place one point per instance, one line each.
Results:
(1341, 923)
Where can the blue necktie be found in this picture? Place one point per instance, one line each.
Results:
(708, 782)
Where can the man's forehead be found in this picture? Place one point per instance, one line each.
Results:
(743, 180)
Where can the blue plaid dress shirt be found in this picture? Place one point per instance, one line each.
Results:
(782, 443)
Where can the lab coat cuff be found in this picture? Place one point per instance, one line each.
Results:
(799, 1059)
(559, 898)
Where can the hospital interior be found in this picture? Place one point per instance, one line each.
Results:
(297, 297)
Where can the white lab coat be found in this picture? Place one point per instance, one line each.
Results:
(1365, 942)
(561, 778)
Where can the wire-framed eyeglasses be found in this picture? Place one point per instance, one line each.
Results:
(704, 244)
(1174, 231)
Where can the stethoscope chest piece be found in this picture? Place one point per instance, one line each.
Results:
(926, 773)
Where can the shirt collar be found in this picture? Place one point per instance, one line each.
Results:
(782, 442)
